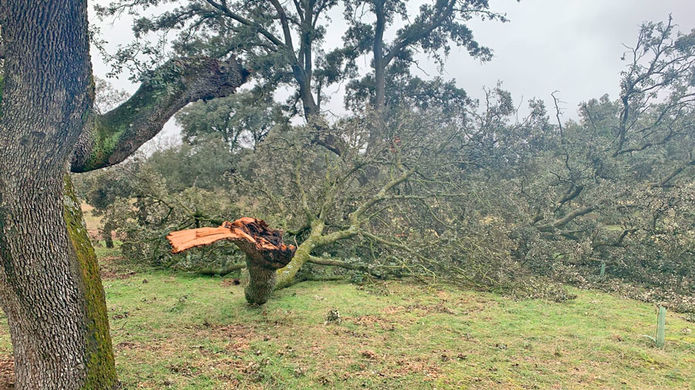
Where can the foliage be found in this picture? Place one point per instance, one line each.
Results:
(611, 188)
(433, 30)
(284, 45)
(242, 120)
(144, 199)
(205, 164)
(468, 191)
(280, 42)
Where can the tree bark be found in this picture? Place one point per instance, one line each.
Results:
(50, 288)
(261, 283)
(49, 282)
(265, 252)
(380, 62)
(107, 233)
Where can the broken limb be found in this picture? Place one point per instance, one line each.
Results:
(263, 246)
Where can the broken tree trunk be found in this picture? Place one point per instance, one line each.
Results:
(263, 246)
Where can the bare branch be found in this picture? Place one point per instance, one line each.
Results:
(566, 219)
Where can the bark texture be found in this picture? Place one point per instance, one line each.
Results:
(49, 281)
(261, 283)
(263, 246)
(49, 284)
(110, 138)
(380, 62)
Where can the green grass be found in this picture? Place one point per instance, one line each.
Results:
(185, 332)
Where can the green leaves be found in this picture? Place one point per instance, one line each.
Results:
(241, 120)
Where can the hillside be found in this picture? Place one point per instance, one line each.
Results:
(188, 332)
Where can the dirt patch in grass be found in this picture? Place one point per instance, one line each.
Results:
(430, 309)
(110, 268)
(6, 373)
(239, 336)
(225, 370)
(391, 310)
(125, 345)
(230, 282)
(404, 367)
(376, 288)
(386, 366)
(374, 321)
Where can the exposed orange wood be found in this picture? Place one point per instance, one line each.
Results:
(253, 236)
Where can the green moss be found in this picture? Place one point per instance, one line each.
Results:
(101, 369)
(106, 137)
(111, 129)
(286, 274)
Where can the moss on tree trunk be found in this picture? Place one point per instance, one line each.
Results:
(261, 283)
(285, 275)
(101, 369)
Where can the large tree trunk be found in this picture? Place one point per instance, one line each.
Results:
(107, 233)
(49, 282)
(52, 295)
(261, 283)
(379, 59)
(379, 64)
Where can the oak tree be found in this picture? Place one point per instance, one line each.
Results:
(49, 280)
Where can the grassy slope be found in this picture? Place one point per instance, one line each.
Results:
(184, 332)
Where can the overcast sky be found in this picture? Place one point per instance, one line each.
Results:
(572, 46)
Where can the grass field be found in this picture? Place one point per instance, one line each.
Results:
(178, 331)
(186, 332)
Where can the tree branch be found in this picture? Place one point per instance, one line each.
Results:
(246, 22)
(398, 270)
(675, 173)
(416, 32)
(112, 137)
(566, 219)
(381, 195)
(335, 263)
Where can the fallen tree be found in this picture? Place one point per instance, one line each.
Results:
(365, 212)
(263, 246)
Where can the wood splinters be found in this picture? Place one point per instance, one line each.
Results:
(261, 244)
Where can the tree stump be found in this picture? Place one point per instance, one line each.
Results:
(263, 246)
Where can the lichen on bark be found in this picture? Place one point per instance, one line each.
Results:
(101, 369)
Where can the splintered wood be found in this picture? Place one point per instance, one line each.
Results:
(254, 237)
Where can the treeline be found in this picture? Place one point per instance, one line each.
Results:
(434, 185)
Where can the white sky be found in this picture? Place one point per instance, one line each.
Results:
(572, 46)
